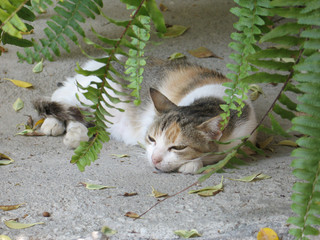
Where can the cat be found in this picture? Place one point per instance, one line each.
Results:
(178, 120)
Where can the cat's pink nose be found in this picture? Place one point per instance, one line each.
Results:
(156, 159)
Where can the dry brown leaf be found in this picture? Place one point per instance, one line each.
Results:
(266, 142)
(2, 49)
(130, 194)
(163, 8)
(132, 215)
(202, 52)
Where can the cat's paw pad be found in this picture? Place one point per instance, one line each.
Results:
(52, 127)
(76, 134)
(190, 167)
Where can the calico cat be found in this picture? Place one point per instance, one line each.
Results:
(178, 119)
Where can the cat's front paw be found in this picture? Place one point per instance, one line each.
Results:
(76, 133)
(190, 167)
(53, 127)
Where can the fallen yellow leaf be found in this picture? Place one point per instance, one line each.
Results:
(5, 160)
(19, 83)
(253, 177)
(16, 225)
(157, 194)
(38, 123)
(4, 237)
(288, 143)
(267, 234)
(10, 207)
(209, 191)
(95, 186)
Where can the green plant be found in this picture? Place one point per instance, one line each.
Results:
(292, 59)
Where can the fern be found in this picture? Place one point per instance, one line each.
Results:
(306, 194)
(294, 55)
(70, 14)
(135, 35)
(12, 27)
(40, 6)
(251, 24)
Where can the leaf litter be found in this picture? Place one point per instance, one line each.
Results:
(203, 52)
(126, 194)
(187, 234)
(17, 225)
(4, 237)
(120, 155)
(209, 191)
(91, 186)
(5, 160)
(132, 215)
(30, 129)
(38, 67)
(288, 143)
(251, 178)
(18, 104)
(267, 234)
(175, 31)
(10, 207)
(176, 55)
(158, 194)
(108, 231)
(19, 83)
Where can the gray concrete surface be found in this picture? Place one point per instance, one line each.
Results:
(43, 178)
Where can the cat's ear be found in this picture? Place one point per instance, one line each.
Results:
(160, 101)
(212, 127)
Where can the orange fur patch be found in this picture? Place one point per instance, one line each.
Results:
(172, 132)
(188, 79)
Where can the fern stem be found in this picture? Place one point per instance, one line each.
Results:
(13, 13)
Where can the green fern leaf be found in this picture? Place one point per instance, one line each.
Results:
(66, 23)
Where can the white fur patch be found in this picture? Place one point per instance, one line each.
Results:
(76, 133)
(52, 127)
(211, 90)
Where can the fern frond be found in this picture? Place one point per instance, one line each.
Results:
(250, 26)
(67, 23)
(40, 6)
(12, 27)
(306, 164)
(134, 37)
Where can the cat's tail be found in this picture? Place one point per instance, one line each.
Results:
(62, 112)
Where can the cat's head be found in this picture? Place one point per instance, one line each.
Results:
(180, 135)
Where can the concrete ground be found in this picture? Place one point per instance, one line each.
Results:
(43, 179)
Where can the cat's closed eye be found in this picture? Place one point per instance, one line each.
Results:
(177, 148)
(151, 139)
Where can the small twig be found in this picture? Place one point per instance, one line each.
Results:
(195, 183)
